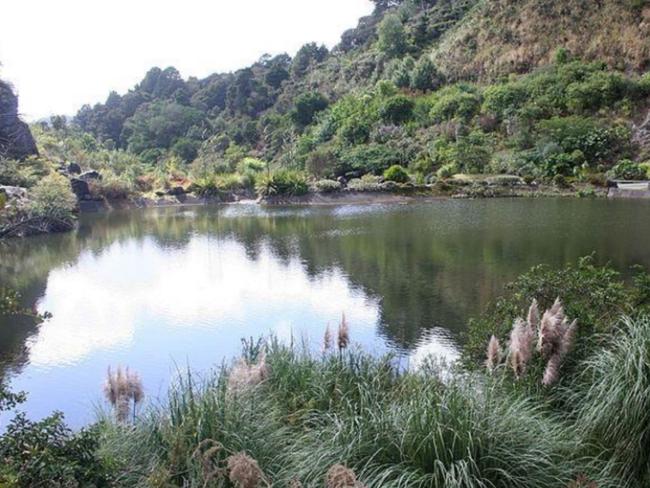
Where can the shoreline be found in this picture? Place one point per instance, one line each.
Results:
(345, 197)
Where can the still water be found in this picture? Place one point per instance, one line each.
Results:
(163, 289)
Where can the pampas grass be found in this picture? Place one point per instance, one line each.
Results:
(327, 339)
(493, 354)
(521, 346)
(244, 375)
(122, 389)
(339, 476)
(343, 339)
(552, 333)
(245, 472)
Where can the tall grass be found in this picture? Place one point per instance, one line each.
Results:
(393, 428)
(613, 401)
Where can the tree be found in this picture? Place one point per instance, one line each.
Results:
(397, 110)
(392, 36)
(278, 70)
(307, 105)
(307, 55)
(425, 76)
(381, 5)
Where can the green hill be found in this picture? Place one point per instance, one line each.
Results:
(536, 88)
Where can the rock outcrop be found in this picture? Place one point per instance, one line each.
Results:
(16, 141)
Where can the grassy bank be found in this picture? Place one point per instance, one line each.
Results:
(390, 427)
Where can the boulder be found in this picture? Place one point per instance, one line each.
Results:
(176, 190)
(90, 175)
(73, 169)
(14, 192)
(16, 141)
(80, 188)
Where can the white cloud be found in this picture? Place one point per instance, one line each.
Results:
(62, 54)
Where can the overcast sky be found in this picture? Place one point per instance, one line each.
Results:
(60, 54)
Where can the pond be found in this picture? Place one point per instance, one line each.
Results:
(161, 290)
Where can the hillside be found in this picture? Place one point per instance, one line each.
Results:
(505, 36)
(547, 91)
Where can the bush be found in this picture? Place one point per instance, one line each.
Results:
(53, 198)
(457, 101)
(321, 162)
(397, 174)
(48, 453)
(392, 36)
(282, 182)
(447, 170)
(397, 110)
(628, 170)
(598, 144)
(594, 295)
(425, 76)
(112, 187)
(371, 158)
(327, 186)
(308, 105)
(560, 181)
(365, 183)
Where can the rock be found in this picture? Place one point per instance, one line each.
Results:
(342, 180)
(80, 188)
(14, 192)
(90, 175)
(73, 169)
(175, 191)
(16, 141)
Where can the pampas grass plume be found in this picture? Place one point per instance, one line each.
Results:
(493, 354)
(343, 334)
(244, 471)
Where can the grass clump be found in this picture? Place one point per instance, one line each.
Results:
(282, 182)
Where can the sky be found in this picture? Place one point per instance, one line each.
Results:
(61, 54)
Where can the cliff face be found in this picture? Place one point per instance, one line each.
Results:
(16, 141)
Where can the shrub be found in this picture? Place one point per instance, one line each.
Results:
(371, 158)
(252, 165)
(282, 182)
(321, 162)
(594, 295)
(598, 144)
(500, 100)
(48, 453)
(53, 198)
(365, 183)
(397, 110)
(392, 36)
(628, 170)
(112, 187)
(327, 186)
(560, 181)
(457, 101)
(355, 130)
(425, 76)
(397, 174)
(307, 105)
(186, 149)
(447, 170)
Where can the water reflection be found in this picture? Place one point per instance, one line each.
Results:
(159, 288)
